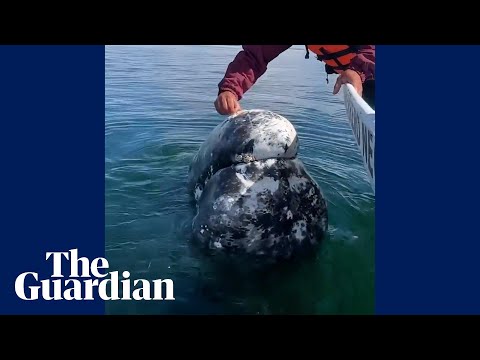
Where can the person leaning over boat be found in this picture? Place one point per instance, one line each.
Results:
(355, 64)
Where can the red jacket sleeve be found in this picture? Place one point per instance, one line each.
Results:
(247, 67)
(364, 62)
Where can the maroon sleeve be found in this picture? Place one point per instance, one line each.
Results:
(247, 67)
(364, 62)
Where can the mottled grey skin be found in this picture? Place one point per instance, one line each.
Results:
(249, 136)
(253, 195)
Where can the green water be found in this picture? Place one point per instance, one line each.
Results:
(158, 110)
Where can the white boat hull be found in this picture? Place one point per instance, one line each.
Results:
(362, 121)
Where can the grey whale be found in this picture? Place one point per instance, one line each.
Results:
(253, 195)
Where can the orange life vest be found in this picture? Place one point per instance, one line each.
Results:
(337, 57)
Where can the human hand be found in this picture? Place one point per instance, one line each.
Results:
(349, 77)
(227, 103)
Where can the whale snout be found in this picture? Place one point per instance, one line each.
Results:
(257, 198)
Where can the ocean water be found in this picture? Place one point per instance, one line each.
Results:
(158, 110)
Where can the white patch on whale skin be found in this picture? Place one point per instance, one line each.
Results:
(245, 182)
(265, 163)
(253, 238)
(271, 136)
(297, 183)
(238, 113)
(271, 133)
(223, 203)
(289, 215)
(270, 162)
(267, 184)
(297, 229)
(259, 189)
(198, 193)
(242, 168)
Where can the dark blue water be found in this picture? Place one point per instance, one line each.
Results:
(158, 110)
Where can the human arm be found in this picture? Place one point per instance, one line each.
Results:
(361, 69)
(364, 62)
(242, 73)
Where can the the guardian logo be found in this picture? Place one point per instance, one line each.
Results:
(84, 277)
